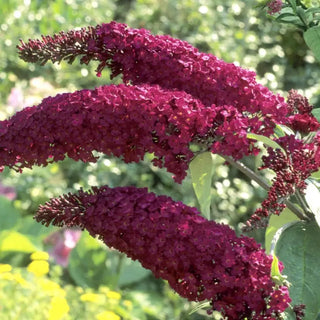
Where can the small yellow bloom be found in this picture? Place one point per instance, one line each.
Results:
(5, 268)
(107, 315)
(114, 295)
(38, 267)
(58, 308)
(51, 288)
(91, 297)
(40, 255)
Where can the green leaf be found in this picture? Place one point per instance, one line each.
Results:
(8, 214)
(298, 249)
(312, 39)
(87, 263)
(312, 197)
(200, 306)
(293, 4)
(316, 113)
(201, 169)
(281, 130)
(275, 223)
(283, 15)
(131, 272)
(265, 140)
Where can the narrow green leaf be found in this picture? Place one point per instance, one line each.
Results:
(283, 15)
(199, 307)
(312, 39)
(312, 197)
(275, 223)
(313, 10)
(298, 249)
(293, 4)
(265, 140)
(201, 169)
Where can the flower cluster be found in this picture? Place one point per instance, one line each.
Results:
(301, 118)
(125, 121)
(201, 260)
(291, 169)
(274, 6)
(143, 58)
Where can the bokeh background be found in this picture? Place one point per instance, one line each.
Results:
(81, 278)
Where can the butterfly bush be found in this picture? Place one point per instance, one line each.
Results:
(124, 121)
(201, 260)
(143, 58)
(174, 98)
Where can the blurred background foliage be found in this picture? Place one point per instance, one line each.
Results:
(235, 31)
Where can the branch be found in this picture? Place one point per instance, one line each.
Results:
(264, 184)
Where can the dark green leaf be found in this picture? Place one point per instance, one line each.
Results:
(293, 4)
(312, 39)
(298, 249)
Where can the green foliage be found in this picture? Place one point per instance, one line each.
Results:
(298, 249)
(312, 198)
(201, 170)
(312, 39)
(265, 140)
(275, 223)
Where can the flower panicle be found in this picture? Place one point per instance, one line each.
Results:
(124, 121)
(143, 58)
(201, 259)
(291, 169)
(62, 46)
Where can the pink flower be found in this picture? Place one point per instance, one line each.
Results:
(63, 242)
(274, 6)
(201, 260)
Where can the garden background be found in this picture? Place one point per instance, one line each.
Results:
(83, 279)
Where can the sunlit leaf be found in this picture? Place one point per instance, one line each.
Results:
(312, 197)
(201, 169)
(275, 223)
(266, 141)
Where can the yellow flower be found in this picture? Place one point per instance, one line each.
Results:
(107, 315)
(58, 308)
(38, 267)
(114, 295)
(5, 268)
(91, 297)
(40, 255)
(51, 287)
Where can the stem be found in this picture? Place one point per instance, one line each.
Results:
(264, 184)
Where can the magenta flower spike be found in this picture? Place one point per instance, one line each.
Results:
(201, 260)
(143, 58)
(124, 121)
